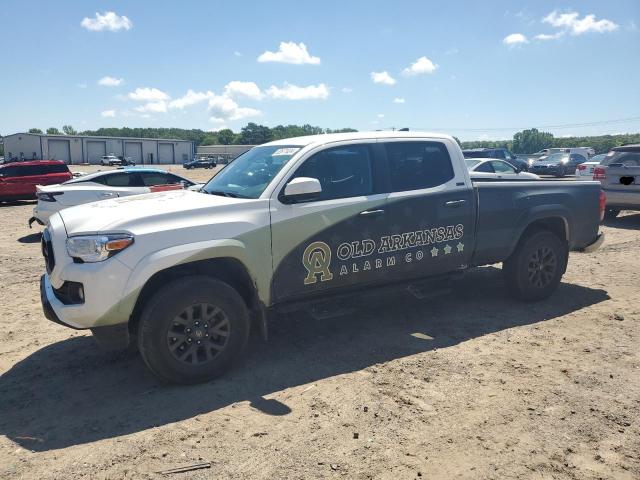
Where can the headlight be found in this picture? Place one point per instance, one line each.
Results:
(97, 248)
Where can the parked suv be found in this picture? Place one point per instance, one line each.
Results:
(200, 163)
(18, 180)
(619, 174)
(110, 160)
(501, 153)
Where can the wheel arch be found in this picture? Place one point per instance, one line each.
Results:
(556, 220)
(227, 269)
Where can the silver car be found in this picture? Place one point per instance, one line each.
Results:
(619, 174)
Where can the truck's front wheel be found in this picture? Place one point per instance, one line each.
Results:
(193, 329)
(535, 268)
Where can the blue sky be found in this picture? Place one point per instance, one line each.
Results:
(473, 69)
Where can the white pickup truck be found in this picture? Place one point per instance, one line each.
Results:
(186, 274)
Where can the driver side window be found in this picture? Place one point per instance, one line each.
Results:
(343, 172)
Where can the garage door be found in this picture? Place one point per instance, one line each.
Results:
(95, 150)
(133, 150)
(59, 150)
(165, 153)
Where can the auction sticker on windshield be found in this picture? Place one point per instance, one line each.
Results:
(285, 151)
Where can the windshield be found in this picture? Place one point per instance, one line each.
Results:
(249, 174)
(472, 163)
(556, 158)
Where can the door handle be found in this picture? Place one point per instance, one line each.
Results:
(371, 213)
(454, 203)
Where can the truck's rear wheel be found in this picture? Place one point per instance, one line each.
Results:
(193, 329)
(535, 268)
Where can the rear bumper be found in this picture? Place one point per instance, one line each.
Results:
(595, 245)
(623, 200)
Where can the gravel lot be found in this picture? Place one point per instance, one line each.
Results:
(470, 385)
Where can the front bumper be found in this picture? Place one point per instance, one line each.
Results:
(595, 245)
(49, 312)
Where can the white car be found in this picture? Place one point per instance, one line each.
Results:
(103, 185)
(584, 171)
(490, 168)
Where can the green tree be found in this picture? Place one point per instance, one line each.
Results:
(211, 139)
(69, 130)
(35, 130)
(53, 131)
(531, 141)
(226, 136)
(254, 134)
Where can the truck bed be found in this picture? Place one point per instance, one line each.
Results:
(505, 209)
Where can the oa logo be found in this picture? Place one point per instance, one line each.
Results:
(316, 259)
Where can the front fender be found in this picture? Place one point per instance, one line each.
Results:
(193, 252)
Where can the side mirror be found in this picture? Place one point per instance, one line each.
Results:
(302, 189)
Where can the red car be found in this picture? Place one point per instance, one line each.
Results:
(18, 180)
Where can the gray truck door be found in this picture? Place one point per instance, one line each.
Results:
(430, 210)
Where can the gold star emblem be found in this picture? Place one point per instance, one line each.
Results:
(434, 252)
(460, 246)
(447, 249)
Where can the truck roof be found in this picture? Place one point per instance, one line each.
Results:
(341, 137)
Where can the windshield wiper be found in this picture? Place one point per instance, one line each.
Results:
(223, 194)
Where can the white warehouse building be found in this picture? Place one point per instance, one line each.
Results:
(78, 149)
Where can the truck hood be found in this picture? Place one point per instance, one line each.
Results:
(161, 211)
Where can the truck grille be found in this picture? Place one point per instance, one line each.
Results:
(47, 251)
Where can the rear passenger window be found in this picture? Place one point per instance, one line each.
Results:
(343, 172)
(154, 178)
(416, 165)
(58, 168)
(119, 180)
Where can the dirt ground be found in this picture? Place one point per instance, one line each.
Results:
(470, 385)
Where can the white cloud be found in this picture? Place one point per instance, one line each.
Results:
(383, 78)
(398, 100)
(237, 53)
(237, 88)
(108, 114)
(515, 39)
(293, 92)
(347, 90)
(380, 115)
(290, 52)
(110, 81)
(224, 108)
(572, 22)
(190, 98)
(147, 94)
(420, 67)
(153, 107)
(553, 36)
(108, 21)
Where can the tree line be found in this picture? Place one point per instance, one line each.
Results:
(524, 142)
(533, 140)
(251, 134)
